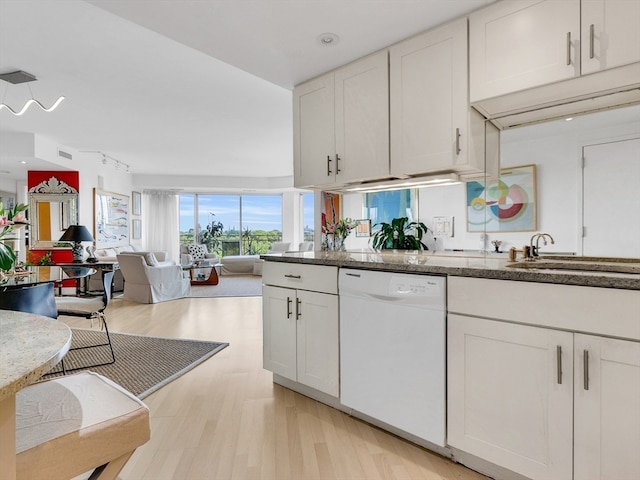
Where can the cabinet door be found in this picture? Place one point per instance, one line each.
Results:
(610, 34)
(607, 408)
(521, 44)
(507, 401)
(314, 132)
(362, 119)
(428, 97)
(279, 331)
(318, 345)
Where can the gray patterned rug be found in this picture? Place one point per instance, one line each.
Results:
(143, 364)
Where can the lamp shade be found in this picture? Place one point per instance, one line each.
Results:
(76, 233)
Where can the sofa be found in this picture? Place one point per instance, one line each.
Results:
(250, 264)
(151, 278)
(109, 255)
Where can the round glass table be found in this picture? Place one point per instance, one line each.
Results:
(30, 345)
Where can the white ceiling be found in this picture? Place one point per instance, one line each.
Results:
(187, 87)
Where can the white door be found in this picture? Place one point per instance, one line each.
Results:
(362, 119)
(610, 34)
(510, 395)
(522, 44)
(607, 409)
(317, 340)
(314, 132)
(279, 331)
(428, 85)
(611, 199)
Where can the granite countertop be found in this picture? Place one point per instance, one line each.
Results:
(476, 264)
(30, 345)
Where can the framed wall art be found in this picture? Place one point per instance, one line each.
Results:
(363, 228)
(136, 203)
(136, 229)
(111, 217)
(504, 205)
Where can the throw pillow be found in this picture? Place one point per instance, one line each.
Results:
(197, 251)
(151, 259)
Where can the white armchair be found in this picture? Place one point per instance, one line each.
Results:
(191, 252)
(147, 280)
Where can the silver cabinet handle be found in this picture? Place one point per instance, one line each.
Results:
(591, 40)
(353, 275)
(457, 141)
(559, 363)
(337, 164)
(329, 172)
(298, 308)
(585, 359)
(288, 275)
(568, 48)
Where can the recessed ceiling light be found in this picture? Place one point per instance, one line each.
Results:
(328, 39)
(568, 119)
(23, 162)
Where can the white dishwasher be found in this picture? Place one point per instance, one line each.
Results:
(392, 349)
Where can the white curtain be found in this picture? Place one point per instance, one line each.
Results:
(161, 222)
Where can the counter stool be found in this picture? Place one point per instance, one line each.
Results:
(70, 425)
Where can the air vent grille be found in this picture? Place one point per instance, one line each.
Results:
(63, 154)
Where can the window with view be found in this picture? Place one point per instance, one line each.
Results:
(385, 206)
(231, 224)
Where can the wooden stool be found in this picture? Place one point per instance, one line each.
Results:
(70, 425)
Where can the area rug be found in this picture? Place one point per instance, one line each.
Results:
(143, 364)
(231, 286)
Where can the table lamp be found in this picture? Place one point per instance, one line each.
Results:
(77, 234)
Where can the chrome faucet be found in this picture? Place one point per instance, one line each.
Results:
(536, 248)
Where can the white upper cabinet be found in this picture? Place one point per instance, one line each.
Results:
(341, 124)
(314, 132)
(610, 34)
(429, 101)
(520, 44)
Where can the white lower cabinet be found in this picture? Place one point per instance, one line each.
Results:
(300, 327)
(607, 408)
(542, 402)
(506, 401)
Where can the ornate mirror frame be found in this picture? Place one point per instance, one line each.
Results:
(50, 191)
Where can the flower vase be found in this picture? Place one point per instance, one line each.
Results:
(331, 241)
(338, 244)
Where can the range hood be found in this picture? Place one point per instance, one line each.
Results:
(608, 89)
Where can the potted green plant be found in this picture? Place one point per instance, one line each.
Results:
(210, 234)
(400, 234)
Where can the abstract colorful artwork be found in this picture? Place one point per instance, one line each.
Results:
(111, 211)
(505, 205)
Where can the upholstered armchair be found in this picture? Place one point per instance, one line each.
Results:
(148, 280)
(192, 252)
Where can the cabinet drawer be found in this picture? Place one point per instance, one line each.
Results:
(316, 278)
(602, 311)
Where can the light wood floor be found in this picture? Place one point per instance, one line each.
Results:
(225, 419)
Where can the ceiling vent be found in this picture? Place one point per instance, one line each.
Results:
(63, 154)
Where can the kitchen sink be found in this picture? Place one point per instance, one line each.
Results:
(581, 266)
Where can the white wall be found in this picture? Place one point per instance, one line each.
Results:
(555, 148)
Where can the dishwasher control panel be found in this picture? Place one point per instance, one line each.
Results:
(400, 285)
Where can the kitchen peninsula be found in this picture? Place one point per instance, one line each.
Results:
(542, 364)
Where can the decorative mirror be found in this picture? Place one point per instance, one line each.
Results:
(53, 206)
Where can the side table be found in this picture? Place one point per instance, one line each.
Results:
(200, 276)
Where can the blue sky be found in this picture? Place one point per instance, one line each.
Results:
(260, 212)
